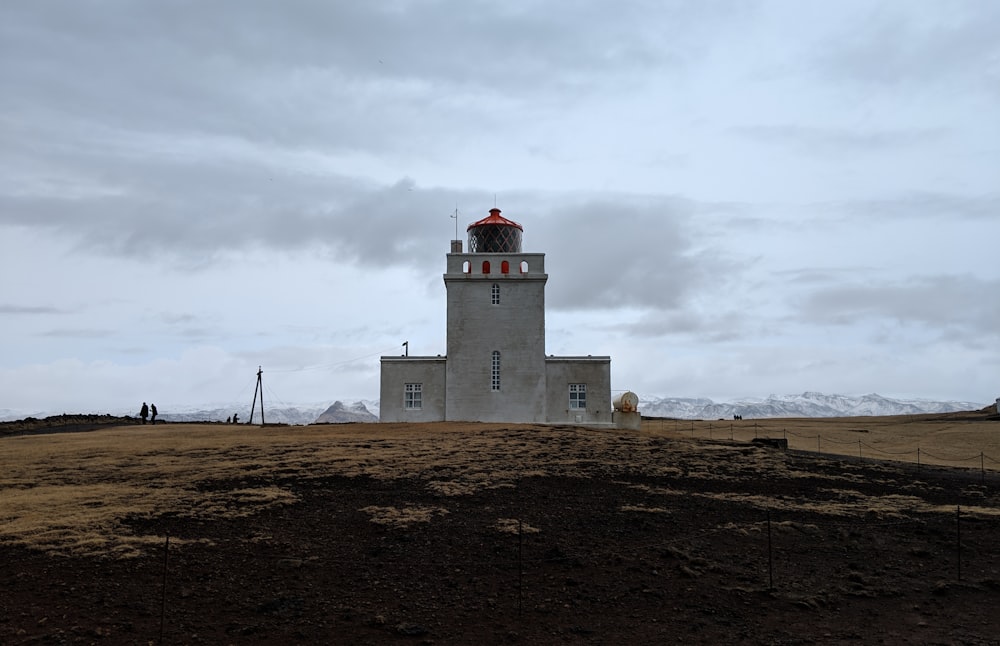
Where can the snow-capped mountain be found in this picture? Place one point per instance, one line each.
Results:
(807, 404)
(287, 414)
(338, 413)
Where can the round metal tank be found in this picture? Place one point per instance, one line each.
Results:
(627, 402)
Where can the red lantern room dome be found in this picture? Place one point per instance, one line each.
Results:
(495, 234)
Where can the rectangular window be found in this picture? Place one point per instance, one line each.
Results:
(495, 371)
(577, 396)
(413, 397)
(495, 294)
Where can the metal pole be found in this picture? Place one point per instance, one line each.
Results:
(859, 450)
(259, 381)
(918, 458)
(982, 469)
(819, 439)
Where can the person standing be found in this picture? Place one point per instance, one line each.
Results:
(152, 411)
(144, 412)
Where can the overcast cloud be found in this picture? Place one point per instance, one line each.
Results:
(735, 198)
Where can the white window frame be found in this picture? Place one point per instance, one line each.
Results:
(495, 371)
(495, 294)
(413, 396)
(578, 396)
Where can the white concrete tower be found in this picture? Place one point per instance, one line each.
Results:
(496, 326)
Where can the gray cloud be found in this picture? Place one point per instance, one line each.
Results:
(963, 305)
(719, 327)
(921, 204)
(894, 45)
(78, 333)
(625, 253)
(815, 140)
(30, 309)
(343, 75)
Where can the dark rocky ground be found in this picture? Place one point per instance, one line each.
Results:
(680, 568)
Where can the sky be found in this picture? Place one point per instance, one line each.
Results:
(735, 198)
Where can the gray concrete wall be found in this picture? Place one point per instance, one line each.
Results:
(399, 371)
(560, 372)
(515, 327)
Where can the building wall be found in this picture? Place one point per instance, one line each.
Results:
(399, 371)
(595, 372)
(515, 327)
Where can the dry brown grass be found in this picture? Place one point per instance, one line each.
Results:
(953, 439)
(72, 493)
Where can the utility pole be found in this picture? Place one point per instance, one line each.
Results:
(406, 344)
(259, 387)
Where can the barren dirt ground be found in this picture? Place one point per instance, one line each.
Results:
(486, 533)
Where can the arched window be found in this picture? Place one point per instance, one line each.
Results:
(486, 266)
(466, 267)
(495, 371)
(495, 294)
(524, 266)
(504, 267)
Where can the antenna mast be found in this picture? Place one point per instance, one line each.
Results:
(455, 218)
(259, 387)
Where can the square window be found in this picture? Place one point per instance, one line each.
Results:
(577, 396)
(413, 397)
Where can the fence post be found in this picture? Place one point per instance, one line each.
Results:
(520, 566)
(163, 592)
(770, 554)
(958, 539)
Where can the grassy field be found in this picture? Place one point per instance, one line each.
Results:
(969, 440)
(71, 493)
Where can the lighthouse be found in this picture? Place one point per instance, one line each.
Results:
(496, 369)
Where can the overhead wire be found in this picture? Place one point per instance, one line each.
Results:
(331, 365)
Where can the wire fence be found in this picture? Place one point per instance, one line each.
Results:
(771, 551)
(980, 461)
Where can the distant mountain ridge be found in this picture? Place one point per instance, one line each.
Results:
(299, 414)
(807, 404)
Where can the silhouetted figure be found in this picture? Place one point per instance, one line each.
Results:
(236, 418)
(152, 411)
(144, 412)
(229, 420)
